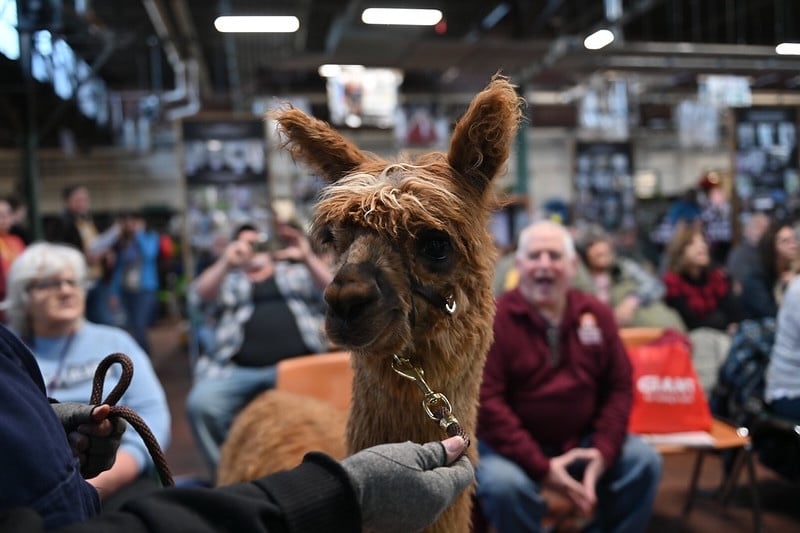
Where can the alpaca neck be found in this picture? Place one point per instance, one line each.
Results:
(387, 407)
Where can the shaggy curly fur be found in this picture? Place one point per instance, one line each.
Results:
(403, 231)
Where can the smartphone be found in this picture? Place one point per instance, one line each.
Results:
(267, 244)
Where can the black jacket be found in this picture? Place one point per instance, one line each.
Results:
(315, 496)
(41, 487)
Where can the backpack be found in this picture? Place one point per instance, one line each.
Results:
(738, 394)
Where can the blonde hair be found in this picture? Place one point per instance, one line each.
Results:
(38, 260)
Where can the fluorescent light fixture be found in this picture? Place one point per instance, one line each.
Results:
(401, 17)
(599, 39)
(788, 49)
(329, 70)
(267, 24)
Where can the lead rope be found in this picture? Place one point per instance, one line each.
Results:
(435, 404)
(126, 413)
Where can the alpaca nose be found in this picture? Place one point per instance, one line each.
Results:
(352, 292)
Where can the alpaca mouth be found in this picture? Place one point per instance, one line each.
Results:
(366, 331)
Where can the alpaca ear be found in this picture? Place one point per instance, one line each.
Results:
(318, 145)
(482, 139)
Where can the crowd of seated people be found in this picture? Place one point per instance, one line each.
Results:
(635, 294)
(688, 290)
(572, 286)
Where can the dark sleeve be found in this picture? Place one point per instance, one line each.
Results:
(315, 496)
(757, 300)
(37, 465)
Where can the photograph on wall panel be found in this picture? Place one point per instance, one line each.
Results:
(604, 186)
(766, 160)
(225, 172)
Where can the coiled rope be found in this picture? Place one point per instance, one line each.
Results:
(126, 413)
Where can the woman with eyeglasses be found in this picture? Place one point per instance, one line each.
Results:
(45, 304)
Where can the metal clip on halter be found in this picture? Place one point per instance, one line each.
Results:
(435, 404)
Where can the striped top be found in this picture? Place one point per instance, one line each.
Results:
(783, 372)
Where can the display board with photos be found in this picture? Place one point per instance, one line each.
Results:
(225, 150)
(604, 185)
(225, 173)
(766, 160)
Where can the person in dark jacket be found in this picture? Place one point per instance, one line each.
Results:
(555, 401)
(399, 487)
(41, 471)
(763, 288)
(76, 227)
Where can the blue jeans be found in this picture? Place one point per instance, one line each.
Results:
(786, 407)
(511, 502)
(139, 308)
(215, 400)
(97, 308)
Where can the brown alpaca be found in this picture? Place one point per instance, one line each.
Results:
(275, 431)
(411, 238)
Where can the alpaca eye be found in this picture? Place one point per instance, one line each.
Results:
(325, 236)
(436, 246)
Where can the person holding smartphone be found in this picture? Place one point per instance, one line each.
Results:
(258, 307)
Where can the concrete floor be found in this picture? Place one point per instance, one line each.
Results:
(779, 500)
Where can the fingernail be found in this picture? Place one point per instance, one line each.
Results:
(455, 444)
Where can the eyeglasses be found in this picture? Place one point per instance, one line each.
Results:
(54, 284)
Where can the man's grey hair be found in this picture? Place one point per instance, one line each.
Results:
(39, 260)
(527, 233)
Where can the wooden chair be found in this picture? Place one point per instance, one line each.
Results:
(723, 438)
(327, 377)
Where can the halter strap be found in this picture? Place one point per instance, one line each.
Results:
(446, 304)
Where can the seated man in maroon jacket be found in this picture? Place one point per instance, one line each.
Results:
(555, 402)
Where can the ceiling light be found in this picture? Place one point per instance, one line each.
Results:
(788, 49)
(401, 17)
(599, 39)
(273, 24)
(329, 70)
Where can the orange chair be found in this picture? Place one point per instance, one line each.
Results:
(326, 376)
(306, 411)
(639, 336)
(724, 437)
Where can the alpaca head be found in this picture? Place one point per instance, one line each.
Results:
(410, 236)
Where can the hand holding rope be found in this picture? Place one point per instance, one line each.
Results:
(126, 413)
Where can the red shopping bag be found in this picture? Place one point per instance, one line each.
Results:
(667, 396)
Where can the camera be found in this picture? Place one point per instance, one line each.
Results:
(267, 244)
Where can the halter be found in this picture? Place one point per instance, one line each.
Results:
(446, 303)
(435, 404)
